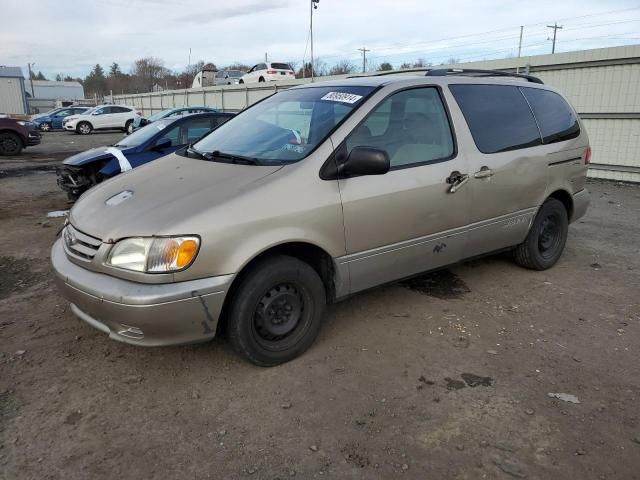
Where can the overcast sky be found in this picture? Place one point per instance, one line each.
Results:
(71, 36)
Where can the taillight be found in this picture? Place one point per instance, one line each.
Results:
(587, 156)
(272, 72)
(139, 114)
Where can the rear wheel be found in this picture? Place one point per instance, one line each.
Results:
(546, 239)
(45, 127)
(276, 311)
(241, 82)
(261, 80)
(84, 128)
(10, 143)
(128, 127)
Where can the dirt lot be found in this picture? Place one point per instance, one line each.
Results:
(447, 377)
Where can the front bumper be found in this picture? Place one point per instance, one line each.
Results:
(581, 202)
(33, 137)
(71, 126)
(142, 314)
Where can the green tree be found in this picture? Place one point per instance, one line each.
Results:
(95, 83)
(385, 67)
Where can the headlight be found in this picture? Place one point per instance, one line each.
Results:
(154, 255)
(24, 123)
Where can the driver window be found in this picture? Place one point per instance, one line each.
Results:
(173, 135)
(411, 126)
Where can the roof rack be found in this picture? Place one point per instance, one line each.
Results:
(443, 72)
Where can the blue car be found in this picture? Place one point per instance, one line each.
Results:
(53, 119)
(84, 170)
(169, 113)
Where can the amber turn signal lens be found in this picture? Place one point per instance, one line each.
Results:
(186, 253)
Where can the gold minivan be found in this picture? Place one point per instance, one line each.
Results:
(319, 192)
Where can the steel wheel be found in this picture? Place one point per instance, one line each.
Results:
(278, 316)
(549, 237)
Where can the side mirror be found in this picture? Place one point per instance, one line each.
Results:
(166, 143)
(365, 161)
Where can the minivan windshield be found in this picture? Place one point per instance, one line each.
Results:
(285, 127)
(159, 115)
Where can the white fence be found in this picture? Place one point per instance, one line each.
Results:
(603, 85)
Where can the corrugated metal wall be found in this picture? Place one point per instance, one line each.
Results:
(602, 84)
(11, 95)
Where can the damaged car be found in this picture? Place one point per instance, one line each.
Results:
(80, 172)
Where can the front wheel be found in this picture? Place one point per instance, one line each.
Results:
(546, 239)
(10, 143)
(276, 311)
(45, 127)
(84, 128)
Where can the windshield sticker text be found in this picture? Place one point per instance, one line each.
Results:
(342, 97)
(295, 148)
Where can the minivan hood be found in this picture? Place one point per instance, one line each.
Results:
(88, 156)
(161, 194)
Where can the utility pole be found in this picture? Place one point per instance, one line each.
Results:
(555, 27)
(314, 6)
(29, 65)
(520, 43)
(364, 58)
(266, 58)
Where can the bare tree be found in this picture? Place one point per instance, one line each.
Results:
(342, 67)
(149, 71)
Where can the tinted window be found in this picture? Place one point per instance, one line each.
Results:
(556, 120)
(498, 116)
(120, 110)
(219, 120)
(411, 126)
(280, 66)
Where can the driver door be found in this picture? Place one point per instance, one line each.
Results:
(408, 220)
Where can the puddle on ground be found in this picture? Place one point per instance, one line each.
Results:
(442, 284)
(476, 380)
(470, 379)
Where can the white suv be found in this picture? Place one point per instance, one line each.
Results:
(102, 117)
(266, 72)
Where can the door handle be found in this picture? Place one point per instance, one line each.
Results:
(457, 180)
(484, 172)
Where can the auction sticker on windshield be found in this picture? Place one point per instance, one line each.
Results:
(342, 97)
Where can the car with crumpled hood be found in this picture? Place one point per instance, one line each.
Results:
(319, 192)
(82, 171)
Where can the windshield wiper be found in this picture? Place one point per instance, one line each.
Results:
(198, 153)
(239, 159)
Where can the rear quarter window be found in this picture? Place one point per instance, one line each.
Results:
(555, 117)
(280, 66)
(498, 116)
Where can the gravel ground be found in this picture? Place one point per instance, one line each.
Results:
(448, 376)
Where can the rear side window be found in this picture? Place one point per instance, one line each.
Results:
(498, 116)
(556, 120)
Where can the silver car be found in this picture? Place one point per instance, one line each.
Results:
(319, 192)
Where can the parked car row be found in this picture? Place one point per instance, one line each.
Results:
(261, 72)
(54, 118)
(141, 121)
(102, 117)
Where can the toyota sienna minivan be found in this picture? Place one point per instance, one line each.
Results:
(319, 192)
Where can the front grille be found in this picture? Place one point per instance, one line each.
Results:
(80, 244)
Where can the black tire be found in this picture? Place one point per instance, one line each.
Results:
(128, 126)
(10, 144)
(84, 128)
(546, 239)
(241, 82)
(45, 127)
(276, 311)
(261, 80)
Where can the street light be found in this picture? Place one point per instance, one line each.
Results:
(314, 6)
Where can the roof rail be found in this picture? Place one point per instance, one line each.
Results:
(443, 72)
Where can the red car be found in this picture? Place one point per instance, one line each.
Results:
(17, 134)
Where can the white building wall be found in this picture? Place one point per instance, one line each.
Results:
(11, 96)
